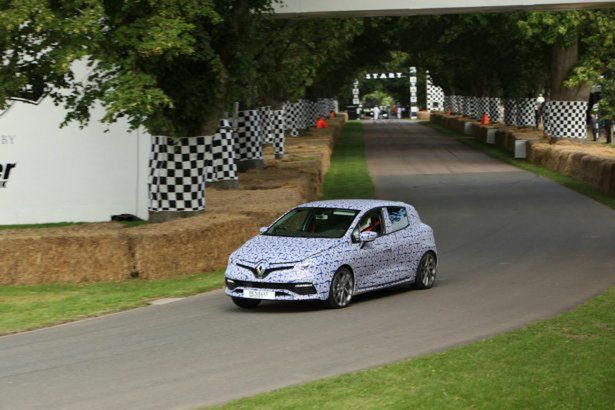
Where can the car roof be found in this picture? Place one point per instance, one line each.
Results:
(359, 204)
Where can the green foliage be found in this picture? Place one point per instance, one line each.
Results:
(378, 98)
(607, 102)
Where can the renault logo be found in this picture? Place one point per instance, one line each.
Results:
(261, 268)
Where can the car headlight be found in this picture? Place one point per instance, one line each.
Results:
(232, 260)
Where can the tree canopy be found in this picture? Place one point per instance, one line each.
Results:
(175, 66)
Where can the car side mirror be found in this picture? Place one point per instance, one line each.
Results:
(263, 229)
(367, 236)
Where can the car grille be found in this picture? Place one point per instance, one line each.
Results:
(266, 272)
(298, 288)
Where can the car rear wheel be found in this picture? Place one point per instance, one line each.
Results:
(342, 289)
(246, 303)
(426, 272)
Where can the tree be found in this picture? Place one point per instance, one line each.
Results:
(170, 65)
(582, 44)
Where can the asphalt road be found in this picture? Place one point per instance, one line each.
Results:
(514, 248)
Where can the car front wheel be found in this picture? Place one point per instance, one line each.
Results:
(246, 303)
(342, 289)
(426, 272)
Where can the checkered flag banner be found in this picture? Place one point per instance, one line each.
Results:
(447, 103)
(277, 124)
(328, 105)
(220, 160)
(566, 119)
(266, 114)
(435, 96)
(313, 112)
(249, 135)
(468, 106)
(291, 114)
(304, 114)
(482, 106)
(526, 112)
(179, 169)
(510, 112)
(494, 109)
(474, 108)
(177, 174)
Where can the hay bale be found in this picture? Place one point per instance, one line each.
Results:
(40, 256)
(109, 252)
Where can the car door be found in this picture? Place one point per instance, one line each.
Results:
(373, 262)
(406, 242)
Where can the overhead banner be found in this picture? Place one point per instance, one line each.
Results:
(355, 93)
(414, 109)
(385, 76)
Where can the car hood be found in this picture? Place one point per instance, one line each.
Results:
(281, 249)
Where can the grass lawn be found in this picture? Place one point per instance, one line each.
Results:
(348, 176)
(505, 156)
(28, 307)
(564, 362)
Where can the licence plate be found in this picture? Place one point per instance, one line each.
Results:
(259, 294)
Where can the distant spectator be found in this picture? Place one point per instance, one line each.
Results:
(376, 112)
(595, 125)
(400, 112)
(539, 109)
(332, 114)
(322, 123)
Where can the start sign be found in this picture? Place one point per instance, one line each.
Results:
(384, 76)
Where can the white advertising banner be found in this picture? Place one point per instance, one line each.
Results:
(53, 174)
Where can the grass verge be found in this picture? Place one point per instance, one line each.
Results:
(503, 155)
(348, 176)
(33, 306)
(564, 362)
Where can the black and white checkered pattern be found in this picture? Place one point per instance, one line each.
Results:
(249, 135)
(469, 106)
(267, 124)
(327, 105)
(277, 125)
(179, 169)
(482, 106)
(313, 112)
(447, 103)
(494, 109)
(435, 96)
(510, 112)
(291, 118)
(177, 174)
(304, 114)
(526, 112)
(520, 112)
(566, 119)
(221, 166)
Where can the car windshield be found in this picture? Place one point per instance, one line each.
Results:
(313, 223)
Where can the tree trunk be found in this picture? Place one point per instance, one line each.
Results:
(563, 60)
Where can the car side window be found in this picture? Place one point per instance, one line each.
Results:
(398, 217)
(370, 222)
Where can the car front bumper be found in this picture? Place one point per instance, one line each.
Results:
(291, 284)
